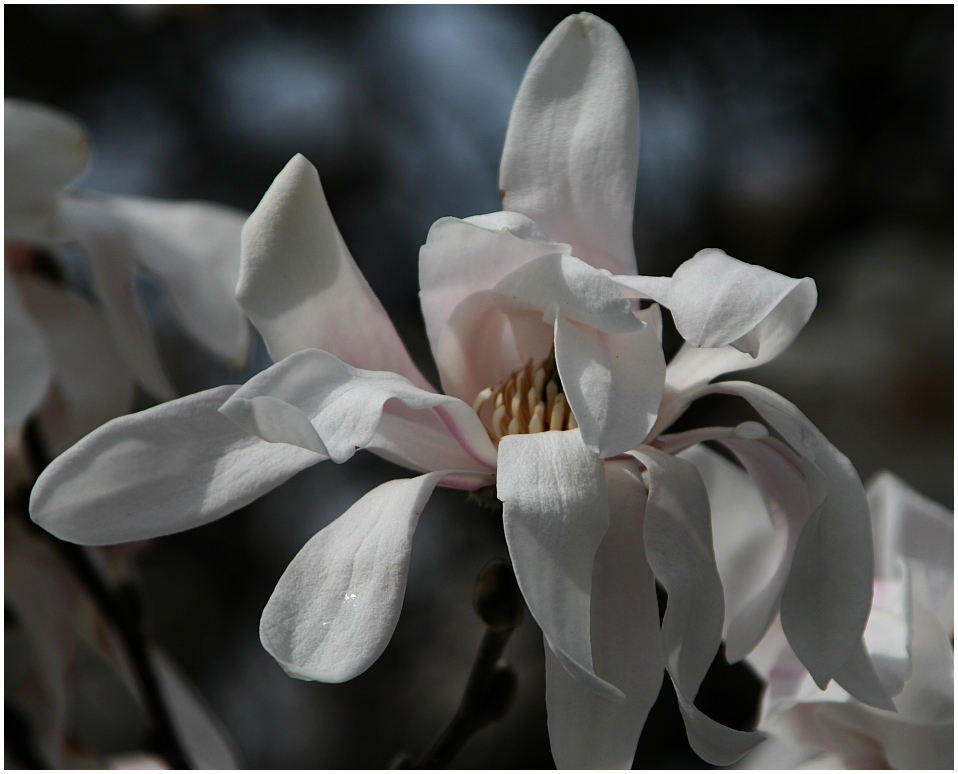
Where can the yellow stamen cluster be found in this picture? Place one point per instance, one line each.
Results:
(530, 400)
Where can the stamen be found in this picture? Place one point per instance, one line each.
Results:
(572, 424)
(552, 389)
(497, 419)
(513, 426)
(557, 417)
(535, 424)
(481, 399)
(532, 398)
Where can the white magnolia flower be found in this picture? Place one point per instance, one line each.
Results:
(909, 637)
(94, 353)
(555, 390)
(67, 674)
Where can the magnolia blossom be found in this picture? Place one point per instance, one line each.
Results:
(93, 354)
(909, 637)
(556, 392)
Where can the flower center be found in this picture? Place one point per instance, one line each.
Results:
(529, 400)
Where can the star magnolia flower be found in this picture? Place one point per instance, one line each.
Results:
(556, 391)
(909, 637)
(54, 334)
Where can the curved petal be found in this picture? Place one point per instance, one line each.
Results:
(718, 300)
(828, 593)
(587, 731)
(785, 493)
(206, 741)
(193, 249)
(26, 362)
(713, 742)
(462, 257)
(481, 345)
(678, 543)
(93, 383)
(613, 381)
(555, 515)
(167, 469)
(109, 246)
(301, 287)
(335, 608)
(572, 146)
(565, 284)
(44, 150)
(314, 400)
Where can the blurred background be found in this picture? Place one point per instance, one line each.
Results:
(813, 141)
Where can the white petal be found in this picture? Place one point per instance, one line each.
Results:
(44, 150)
(785, 493)
(570, 286)
(718, 300)
(109, 246)
(746, 543)
(314, 400)
(26, 362)
(193, 249)
(462, 257)
(301, 287)
(334, 610)
(572, 146)
(713, 742)
(481, 345)
(92, 382)
(639, 286)
(859, 677)
(678, 543)
(167, 469)
(828, 594)
(555, 515)
(613, 381)
(909, 526)
(587, 731)
(206, 741)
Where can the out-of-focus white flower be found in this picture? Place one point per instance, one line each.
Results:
(191, 248)
(67, 674)
(909, 638)
(532, 318)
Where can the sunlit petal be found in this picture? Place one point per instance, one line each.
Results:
(555, 515)
(572, 146)
(167, 469)
(335, 608)
(301, 287)
(586, 730)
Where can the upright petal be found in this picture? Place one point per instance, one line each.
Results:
(587, 731)
(555, 515)
(92, 382)
(335, 608)
(26, 362)
(462, 257)
(613, 381)
(167, 469)
(301, 287)
(828, 594)
(44, 150)
(193, 249)
(572, 146)
(109, 247)
(314, 400)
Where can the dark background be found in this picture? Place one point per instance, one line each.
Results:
(816, 141)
